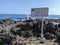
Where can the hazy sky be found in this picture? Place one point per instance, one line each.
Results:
(24, 6)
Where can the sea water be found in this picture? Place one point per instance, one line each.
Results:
(23, 16)
(13, 16)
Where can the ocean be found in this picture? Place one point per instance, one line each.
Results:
(22, 16)
(13, 16)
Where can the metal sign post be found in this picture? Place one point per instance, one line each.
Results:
(42, 29)
(42, 35)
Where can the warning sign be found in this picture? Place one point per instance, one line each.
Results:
(39, 12)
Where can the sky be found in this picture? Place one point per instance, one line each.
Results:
(24, 6)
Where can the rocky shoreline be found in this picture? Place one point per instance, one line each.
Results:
(28, 32)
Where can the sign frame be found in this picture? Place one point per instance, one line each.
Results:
(39, 12)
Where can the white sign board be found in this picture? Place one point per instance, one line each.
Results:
(39, 12)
